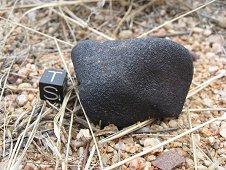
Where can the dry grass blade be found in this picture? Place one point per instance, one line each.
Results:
(17, 147)
(193, 142)
(124, 17)
(163, 143)
(36, 6)
(38, 32)
(7, 75)
(53, 147)
(205, 84)
(31, 136)
(90, 158)
(200, 149)
(94, 139)
(175, 19)
(12, 9)
(69, 134)
(126, 131)
(58, 120)
(82, 24)
(64, 62)
(204, 109)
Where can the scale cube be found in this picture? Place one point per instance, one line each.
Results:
(52, 85)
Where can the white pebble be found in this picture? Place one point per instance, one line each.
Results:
(197, 138)
(207, 32)
(220, 168)
(223, 130)
(23, 71)
(200, 155)
(208, 101)
(173, 123)
(213, 69)
(22, 100)
(207, 163)
(211, 140)
(150, 142)
(125, 34)
(24, 85)
(201, 167)
(197, 30)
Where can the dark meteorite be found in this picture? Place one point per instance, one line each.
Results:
(126, 81)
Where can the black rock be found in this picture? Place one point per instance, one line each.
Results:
(126, 81)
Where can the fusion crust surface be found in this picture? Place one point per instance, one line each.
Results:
(126, 81)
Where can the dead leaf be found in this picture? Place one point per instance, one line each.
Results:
(84, 135)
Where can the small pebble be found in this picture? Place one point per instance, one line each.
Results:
(211, 140)
(125, 34)
(213, 69)
(150, 142)
(30, 97)
(148, 166)
(12, 79)
(22, 100)
(173, 123)
(110, 149)
(197, 138)
(151, 158)
(197, 30)
(223, 130)
(199, 155)
(24, 85)
(19, 81)
(207, 32)
(190, 162)
(138, 163)
(23, 71)
(208, 101)
(114, 158)
(215, 125)
(207, 163)
(84, 135)
(220, 168)
(202, 167)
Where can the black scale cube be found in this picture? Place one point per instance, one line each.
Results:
(52, 85)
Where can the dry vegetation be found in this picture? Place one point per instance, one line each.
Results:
(36, 35)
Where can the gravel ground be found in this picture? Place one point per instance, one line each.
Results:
(37, 35)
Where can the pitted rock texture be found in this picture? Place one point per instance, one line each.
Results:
(126, 81)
